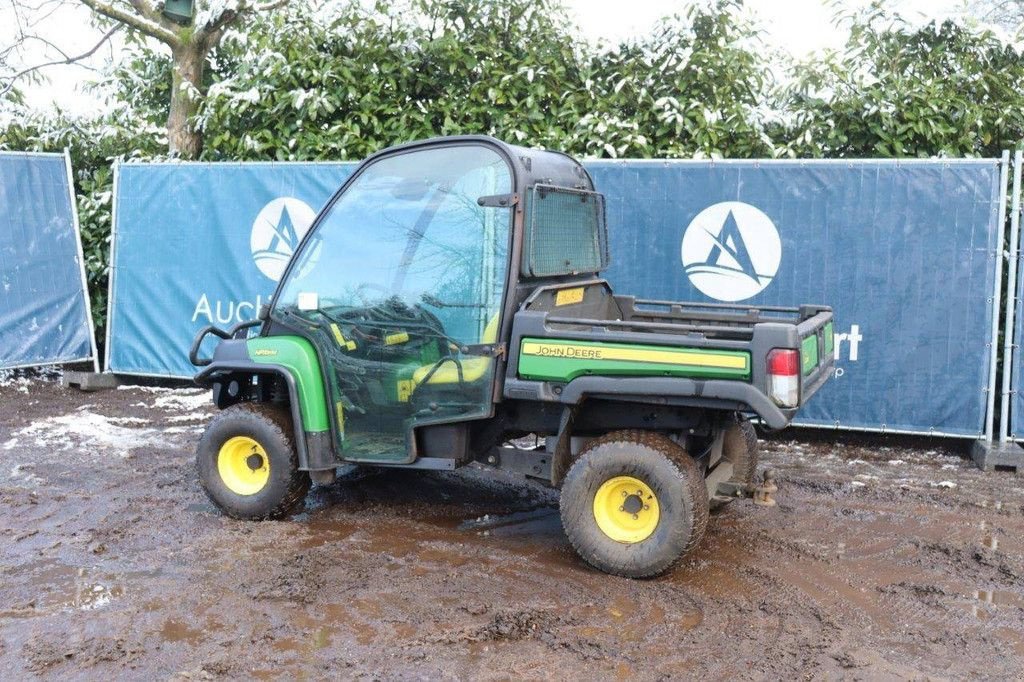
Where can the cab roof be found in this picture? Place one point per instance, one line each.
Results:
(529, 166)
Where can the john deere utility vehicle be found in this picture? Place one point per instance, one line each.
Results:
(446, 307)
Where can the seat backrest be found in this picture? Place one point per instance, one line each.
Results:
(490, 334)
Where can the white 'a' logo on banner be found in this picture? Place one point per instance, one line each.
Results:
(276, 233)
(731, 251)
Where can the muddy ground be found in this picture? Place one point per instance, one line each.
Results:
(880, 561)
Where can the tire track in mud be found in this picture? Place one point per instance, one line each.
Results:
(867, 568)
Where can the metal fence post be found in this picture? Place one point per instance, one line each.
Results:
(1004, 175)
(1011, 300)
(111, 261)
(81, 259)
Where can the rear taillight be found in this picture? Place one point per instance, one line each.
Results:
(784, 377)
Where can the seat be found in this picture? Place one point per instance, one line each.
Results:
(473, 368)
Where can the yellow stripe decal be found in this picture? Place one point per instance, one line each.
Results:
(664, 357)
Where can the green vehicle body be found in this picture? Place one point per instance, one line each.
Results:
(298, 357)
(446, 308)
(542, 350)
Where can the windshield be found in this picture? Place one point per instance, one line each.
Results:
(409, 232)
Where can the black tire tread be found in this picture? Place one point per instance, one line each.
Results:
(281, 422)
(744, 452)
(686, 469)
(739, 446)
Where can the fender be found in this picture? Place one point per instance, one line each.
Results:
(293, 360)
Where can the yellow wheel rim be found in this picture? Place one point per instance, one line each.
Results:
(243, 465)
(626, 509)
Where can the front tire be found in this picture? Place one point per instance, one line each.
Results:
(248, 465)
(633, 504)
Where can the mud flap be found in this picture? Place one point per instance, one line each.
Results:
(562, 458)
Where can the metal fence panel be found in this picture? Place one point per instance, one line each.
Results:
(44, 306)
(905, 252)
(198, 244)
(1012, 415)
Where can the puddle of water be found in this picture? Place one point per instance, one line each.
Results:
(287, 645)
(437, 540)
(177, 631)
(444, 556)
(631, 618)
(530, 523)
(999, 598)
(986, 603)
(88, 598)
(321, 531)
(47, 585)
(349, 617)
(320, 639)
(690, 620)
(316, 636)
(719, 576)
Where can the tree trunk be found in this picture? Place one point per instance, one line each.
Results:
(186, 93)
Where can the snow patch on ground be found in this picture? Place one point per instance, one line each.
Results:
(22, 473)
(22, 379)
(89, 431)
(154, 389)
(186, 418)
(191, 399)
(184, 429)
(8, 380)
(128, 421)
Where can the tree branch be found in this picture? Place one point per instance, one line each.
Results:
(273, 4)
(133, 20)
(148, 10)
(66, 60)
(213, 30)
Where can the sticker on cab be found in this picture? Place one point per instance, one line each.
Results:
(569, 296)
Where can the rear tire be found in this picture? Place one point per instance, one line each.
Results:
(633, 504)
(739, 447)
(248, 465)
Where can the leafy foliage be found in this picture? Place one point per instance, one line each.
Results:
(695, 87)
(343, 87)
(301, 87)
(905, 90)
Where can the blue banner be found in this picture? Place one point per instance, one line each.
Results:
(903, 251)
(44, 306)
(199, 244)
